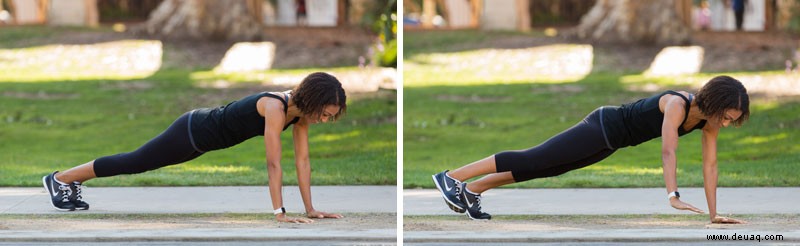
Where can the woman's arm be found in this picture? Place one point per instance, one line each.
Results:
(273, 125)
(710, 174)
(674, 111)
(303, 164)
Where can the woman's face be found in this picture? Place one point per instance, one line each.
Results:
(327, 114)
(729, 116)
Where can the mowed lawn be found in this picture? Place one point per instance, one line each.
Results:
(454, 116)
(53, 119)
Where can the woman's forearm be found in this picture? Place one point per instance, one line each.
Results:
(710, 184)
(710, 169)
(303, 164)
(275, 184)
(670, 170)
(304, 183)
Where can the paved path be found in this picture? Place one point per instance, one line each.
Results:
(789, 236)
(226, 199)
(610, 201)
(155, 200)
(603, 202)
(382, 199)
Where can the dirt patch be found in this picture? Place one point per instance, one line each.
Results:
(593, 222)
(173, 222)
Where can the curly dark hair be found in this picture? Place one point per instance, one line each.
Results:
(317, 91)
(722, 93)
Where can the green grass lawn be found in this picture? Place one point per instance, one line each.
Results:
(52, 121)
(453, 117)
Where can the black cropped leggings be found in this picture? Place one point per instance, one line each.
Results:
(173, 146)
(579, 146)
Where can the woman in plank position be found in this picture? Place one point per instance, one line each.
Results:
(721, 102)
(319, 98)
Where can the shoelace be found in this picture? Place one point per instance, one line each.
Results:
(78, 190)
(458, 188)
(67, 192)
(478, 203)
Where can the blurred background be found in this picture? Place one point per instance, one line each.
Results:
(80, 79)
(481, 77)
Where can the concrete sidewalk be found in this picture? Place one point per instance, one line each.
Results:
(602, 202)
(609, 236)
(225, 199)
(189, 200)
(610, 201)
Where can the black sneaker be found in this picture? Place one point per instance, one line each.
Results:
(76, 197)
(451, 191)
(59, 193)
(472, 202)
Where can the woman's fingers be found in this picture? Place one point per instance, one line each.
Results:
(332, 215)
(321, 215)
(693, 209)
(303, 220)
(725, 220)
(685, 206)
(298, 220)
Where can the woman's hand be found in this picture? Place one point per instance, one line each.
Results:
(723, 220)
(680, 205)
(284, 218)
(322, 215)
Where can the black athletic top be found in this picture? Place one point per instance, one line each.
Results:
(638, 122)
(226, 126)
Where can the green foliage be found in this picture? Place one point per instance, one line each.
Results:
(794, 21)
(388, 57)
(385, 50)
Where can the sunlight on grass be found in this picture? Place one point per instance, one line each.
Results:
(126, 59)
(551, 63)
(773, 83)
(247, 56)
(762, 139)
(675, 60)
(335, 137)
(211, 169)
(353, 79)
(610, 170)
(764, 105)
(268, 75)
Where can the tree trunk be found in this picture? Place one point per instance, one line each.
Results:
(207, 19)
(634, 21)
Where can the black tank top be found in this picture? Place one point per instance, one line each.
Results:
(226, 126)
(635, 123)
